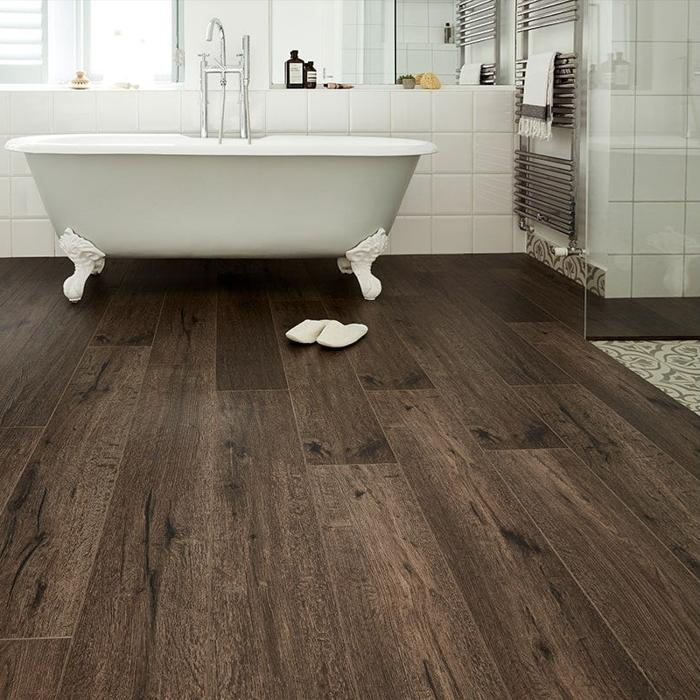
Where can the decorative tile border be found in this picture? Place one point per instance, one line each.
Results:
(672, 366)
(572, 267)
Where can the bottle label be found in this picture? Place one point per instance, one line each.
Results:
(296, 74)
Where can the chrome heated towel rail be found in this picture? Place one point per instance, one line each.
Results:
(547, 189)
(478, 21)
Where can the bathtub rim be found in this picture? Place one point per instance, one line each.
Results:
(301, 145)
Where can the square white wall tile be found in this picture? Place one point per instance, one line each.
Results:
(258, 111)
(4, 157)
(30, 112)
(31, 238)
(493, 194)
(493, 111)
(618, 278)
(452, 111)
(662, 68)
(519, 237)
(160, 111)
(619, 231)
(5, 239)
(622, 108)
(452, 234)
(26, 201)
(659, 227)
(694, 23)
(425, 163)
(370, 110)
(454, 153)
(659, 176)
(661, 121)
(19, 164)
(5, 210)
(74, 112)
(621, 176)
(5, 112)
(452, 194)
(328, 110)
(232, 118)
(693, 183)
(189, 112)
(411, 110)
(693, 121)
(691, 284)
(662, 20)
(692, 228)
(493, 153)
(493, 234)
(287, 111)
(657, 275)
(417, 199)
(694, 68)
(117, 111)
(410, 235)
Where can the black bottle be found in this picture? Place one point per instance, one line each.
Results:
(294, 71)
(310, 75)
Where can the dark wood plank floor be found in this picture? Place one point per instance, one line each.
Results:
(473, 502)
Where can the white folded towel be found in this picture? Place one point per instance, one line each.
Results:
(536, 117)
(470, 74)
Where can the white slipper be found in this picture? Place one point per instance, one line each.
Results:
(307, 331)
(337, 335)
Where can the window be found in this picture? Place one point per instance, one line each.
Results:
(23, 41)
(114, 41)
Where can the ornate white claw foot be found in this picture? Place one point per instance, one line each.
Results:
(359, 260)
(88, 260)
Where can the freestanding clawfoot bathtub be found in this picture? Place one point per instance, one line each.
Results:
(146, 195)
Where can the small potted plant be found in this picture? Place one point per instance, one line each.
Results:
(408, 81)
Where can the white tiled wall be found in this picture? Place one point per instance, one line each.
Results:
(654, 229)
(459, 200)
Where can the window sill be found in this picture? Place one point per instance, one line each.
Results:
(63, 87)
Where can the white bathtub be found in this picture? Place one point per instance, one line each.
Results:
(158, 195)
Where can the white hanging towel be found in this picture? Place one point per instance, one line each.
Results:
(470, 74)
(536, 117)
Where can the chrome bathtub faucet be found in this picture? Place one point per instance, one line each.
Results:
(220, 68)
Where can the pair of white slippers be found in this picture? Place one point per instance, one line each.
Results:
(330, 334)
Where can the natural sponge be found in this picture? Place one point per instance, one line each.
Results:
(428, 81)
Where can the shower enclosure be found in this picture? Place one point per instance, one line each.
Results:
(643, 202)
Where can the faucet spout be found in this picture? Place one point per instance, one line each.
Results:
(215, 23)
(219, 67)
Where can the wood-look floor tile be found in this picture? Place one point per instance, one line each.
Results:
(547, 638)
(273, 615)
(667, 423)
(658, 490)
(16, 444)
(247, 355)
(494, 413)
(649, 599)
(133, 311)
(409, 630)
(143, 628)
(335, 419)
(380, 359)
(30, 669)
(51, 525)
